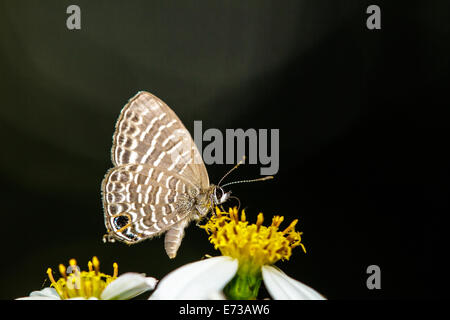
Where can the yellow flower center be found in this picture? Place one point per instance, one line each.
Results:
(81, 284)
(253, 245)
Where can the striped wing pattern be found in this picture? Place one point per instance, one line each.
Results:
(142, 201)
(149, 132)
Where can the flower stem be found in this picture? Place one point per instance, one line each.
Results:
(245, 284)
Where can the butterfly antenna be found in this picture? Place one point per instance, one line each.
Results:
(226, 174)
(252, 180)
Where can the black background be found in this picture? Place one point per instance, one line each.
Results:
(362, 116)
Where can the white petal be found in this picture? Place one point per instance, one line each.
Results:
(204, 279)
(44, 294)
(283, 287)
(36, 298)
(127, 286)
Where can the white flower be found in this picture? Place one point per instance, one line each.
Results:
(205, 279)
(249, 252)
(93, 285)
(127, 286)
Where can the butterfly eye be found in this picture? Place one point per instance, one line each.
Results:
(121, 221)
(219, 193)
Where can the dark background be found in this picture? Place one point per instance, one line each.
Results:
(362, 118)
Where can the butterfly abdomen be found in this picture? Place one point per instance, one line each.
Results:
(173, 238)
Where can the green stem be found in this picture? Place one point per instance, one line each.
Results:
(245, 284)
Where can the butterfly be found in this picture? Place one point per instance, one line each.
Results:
(159, 183)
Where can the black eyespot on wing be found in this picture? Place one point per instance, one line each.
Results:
(121, 221)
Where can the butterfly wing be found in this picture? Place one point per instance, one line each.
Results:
(149, 132)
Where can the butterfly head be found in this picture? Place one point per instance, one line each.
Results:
(219, 196)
